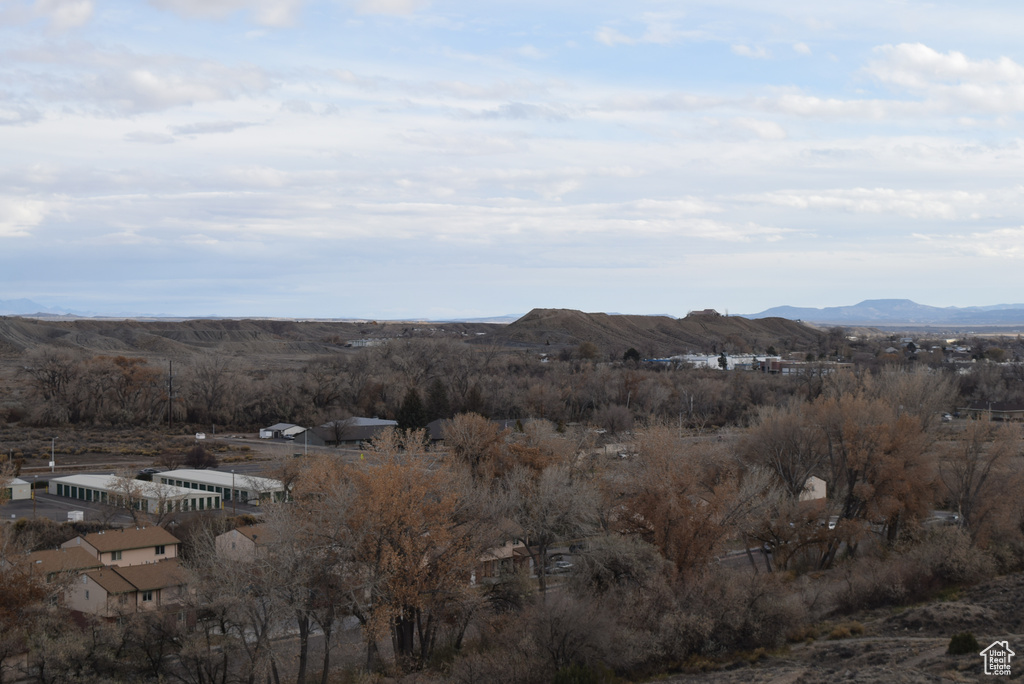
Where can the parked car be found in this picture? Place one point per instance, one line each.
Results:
(559, 567)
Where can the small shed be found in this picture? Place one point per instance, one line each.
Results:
(18, 490)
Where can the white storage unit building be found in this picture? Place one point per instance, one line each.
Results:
(229, 486)
(152, 497)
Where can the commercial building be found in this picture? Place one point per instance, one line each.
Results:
(150, 497)
(226, 485)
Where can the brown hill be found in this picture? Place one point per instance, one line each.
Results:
(658, 335)
(227, 336)
(613, 334)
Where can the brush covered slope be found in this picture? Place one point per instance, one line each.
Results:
(658, 335)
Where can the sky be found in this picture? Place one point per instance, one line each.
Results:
(441, 159)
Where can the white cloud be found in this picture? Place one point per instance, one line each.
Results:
(612, 37)
(917, 66)
(204, 127)
(265, 12)
(801, 48)
(766, 130)
(951, 81)
(392, 7)
(1000, 243)
(14, 114)
(65, 14)
(915, 204)
(659, 29)
(149, 138)
(131, 83)
(19, 216)
(751, 52)
(530, 52)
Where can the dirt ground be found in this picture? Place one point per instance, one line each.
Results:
(901, 645)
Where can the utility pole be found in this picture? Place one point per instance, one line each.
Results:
(53, 461)
(170, 392)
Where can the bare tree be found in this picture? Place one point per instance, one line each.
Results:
(976, 475)
(546, 508)
(788, 443)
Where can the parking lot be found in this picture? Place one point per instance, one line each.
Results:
(56, 508)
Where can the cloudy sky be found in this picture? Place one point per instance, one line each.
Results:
(442, 158)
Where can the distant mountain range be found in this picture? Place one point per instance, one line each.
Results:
(17, 307)
(870, 312)
(875, 312)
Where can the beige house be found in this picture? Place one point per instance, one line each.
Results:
(113, 591)
(243, 543)
(500, 560)
(815, 488)
(131, 546)
(56, 567)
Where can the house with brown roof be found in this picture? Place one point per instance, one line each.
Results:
(500, 560)
(55, 567)
(129, 546)
(113, 591)
(244, 543)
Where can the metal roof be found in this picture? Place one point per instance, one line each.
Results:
(219, 478)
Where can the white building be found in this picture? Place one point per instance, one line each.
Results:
(18, 490)
(229, 486)
(281, 430)
(151, 497)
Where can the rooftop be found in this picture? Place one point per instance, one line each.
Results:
(42, 563)
(224, 479)
(130, 538)
(111, 483)
(149, 576)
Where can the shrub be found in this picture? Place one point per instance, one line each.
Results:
(840, 632)
(584, 674)
(963, 643)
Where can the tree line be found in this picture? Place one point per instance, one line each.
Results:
(416, 381)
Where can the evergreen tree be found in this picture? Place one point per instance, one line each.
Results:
(438, 405)
(412, 414)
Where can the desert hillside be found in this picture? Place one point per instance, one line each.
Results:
(228, 336)
(559, 328)
(658, 335)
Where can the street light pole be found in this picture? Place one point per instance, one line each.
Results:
(234, 493)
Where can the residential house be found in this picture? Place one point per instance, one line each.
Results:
(131, 546)
(814, 489)
(280, 431)
(244, 543)
(114, 591)
(56, 567)
(501, 560)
